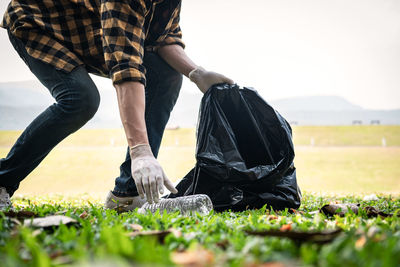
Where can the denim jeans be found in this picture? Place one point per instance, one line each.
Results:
(77, 100)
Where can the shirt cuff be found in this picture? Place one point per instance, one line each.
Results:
(128, 72)
(169, 40)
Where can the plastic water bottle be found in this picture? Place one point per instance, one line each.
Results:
(186, 205)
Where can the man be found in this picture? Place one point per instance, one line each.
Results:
(61, 42)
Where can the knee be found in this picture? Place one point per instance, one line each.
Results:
(82, 102)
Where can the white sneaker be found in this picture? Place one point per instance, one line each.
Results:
(4, 199)
(123, 204)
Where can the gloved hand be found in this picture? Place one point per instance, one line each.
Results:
(205, 79)
(148, 175)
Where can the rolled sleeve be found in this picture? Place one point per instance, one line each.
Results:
(123, 39)
(174, 35)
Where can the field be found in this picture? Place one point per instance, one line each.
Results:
(105, 238)
(340, 160)
(334, 164)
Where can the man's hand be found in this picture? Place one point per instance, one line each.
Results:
(205, 79)
(148, 175)
(176, 57)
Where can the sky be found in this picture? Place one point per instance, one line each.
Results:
(284, 48)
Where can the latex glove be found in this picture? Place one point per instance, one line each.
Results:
(148, 175)
(205, 79)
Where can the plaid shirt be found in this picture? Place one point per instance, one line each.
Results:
(109, 37)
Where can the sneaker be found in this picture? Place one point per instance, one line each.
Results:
(123, 204)
(4, 199)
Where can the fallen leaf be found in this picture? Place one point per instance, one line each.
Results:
(14, 220)
(62, 260)
(340, 209)
(286, 227)
(20, 214)
(83, 215)
(136, 227)
(196, 258)
(56, 254)
(319, 237)
(267, 264)
(223, 244)
(156, 233)
(360, 242)
(374, 212)
(37, 232)
(49, 221)
(372, 231)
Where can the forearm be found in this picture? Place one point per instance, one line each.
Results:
(176, 57)
(131, 103)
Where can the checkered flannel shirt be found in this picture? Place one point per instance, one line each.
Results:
(109, 37)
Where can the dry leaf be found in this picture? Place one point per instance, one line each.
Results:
(267, 264)
(223, 244)
(286, 227)
(83, 215)
(37, 232)
(14, 220)
(360, 242)
(20, 214)
(372, 231)
(196, 258)
(272, 217)
(49, 221)
(136, 227)
(374, 212)
(56, 254)
(340, 209)
(159, 234)
(320, 237)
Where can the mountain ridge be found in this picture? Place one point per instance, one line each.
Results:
(21, 102)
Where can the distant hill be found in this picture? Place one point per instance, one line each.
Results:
(313, 103)
(24, 94)
(21, 102)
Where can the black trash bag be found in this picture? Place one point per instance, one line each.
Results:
(244, 153)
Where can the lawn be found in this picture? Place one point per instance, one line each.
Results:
(105, 238)
(334, 165)
(343, 160)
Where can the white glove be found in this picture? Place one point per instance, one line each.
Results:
(205, 79)
(148, 175)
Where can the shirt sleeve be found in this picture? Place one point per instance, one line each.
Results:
(174, 35)
(123, 37)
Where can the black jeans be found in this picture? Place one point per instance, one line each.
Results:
(77, 100)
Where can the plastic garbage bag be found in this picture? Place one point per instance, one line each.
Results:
(244, 153)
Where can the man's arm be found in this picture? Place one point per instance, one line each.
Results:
(131, 103)
(146, 171)
(123, 52)
(176, 57)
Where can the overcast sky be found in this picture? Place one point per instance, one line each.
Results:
(284, 48)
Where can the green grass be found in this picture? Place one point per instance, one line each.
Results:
(348, 161)
(102, 237)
